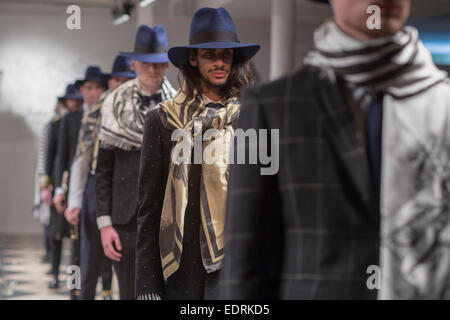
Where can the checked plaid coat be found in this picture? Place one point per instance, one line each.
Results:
(312, 230)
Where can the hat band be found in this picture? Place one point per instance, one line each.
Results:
(145, 49)
(213, 36)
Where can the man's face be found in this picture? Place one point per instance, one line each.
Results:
(61, 108)
(91, 92)
(115, 82)
(148, 73)
(214, 65)
(352, 16)
(73, 104)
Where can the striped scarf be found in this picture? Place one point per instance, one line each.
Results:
(398, 65)
(195, 117)
(123, 115)
(415, 170)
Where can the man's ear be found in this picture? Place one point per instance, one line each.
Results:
(193, 58)
(133, 64)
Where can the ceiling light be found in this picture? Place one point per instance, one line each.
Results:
(144, 3)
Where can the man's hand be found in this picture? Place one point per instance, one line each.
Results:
(46, 195)
(110, 237)
(72, 215)
(60, 203)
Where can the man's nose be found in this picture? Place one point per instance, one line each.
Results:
(218, 61)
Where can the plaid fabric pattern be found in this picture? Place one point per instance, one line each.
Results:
(311, 231)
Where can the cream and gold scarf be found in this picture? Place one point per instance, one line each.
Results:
(195, 117)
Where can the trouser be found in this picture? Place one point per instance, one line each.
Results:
(125, 269)
(75, 260)
(56, 249)
(93, 261)
(47, 242)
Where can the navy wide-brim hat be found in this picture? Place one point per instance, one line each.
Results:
(150, 45)
(71, 93)
(121, 68)
(94, 74)
(212, 29)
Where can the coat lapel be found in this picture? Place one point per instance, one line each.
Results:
(341, 129)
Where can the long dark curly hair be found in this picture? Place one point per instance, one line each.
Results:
(241, 75)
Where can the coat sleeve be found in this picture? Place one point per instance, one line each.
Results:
(253, 227)
(151, 187)
(104, 181)
(79, 172)
(51, 148)
(63, 151)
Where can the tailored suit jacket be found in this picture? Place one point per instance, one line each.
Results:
(117, 184)
(67, 143)
(311, 230)
(58, 226)
(52, 148)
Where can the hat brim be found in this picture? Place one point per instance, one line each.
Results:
(102, 80)
(179, 55)
(123, 74)
(71, 96)
(146, 57)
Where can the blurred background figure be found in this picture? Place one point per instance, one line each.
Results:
(58, 228)
(82, 206)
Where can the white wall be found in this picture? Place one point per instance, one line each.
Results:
(38, 57)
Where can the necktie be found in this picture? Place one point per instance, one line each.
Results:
(146, 100)
(374, 119)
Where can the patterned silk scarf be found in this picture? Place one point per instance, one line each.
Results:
(194, 117)
(123, 115)
(90, 126)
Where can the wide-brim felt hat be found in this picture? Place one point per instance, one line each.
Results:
(71, 93)
(121, 68)
(212, 29)
(150, 45)
(94, 74)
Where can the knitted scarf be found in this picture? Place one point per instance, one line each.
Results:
(195, 117)
(415, 174)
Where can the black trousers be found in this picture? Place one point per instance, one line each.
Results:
(56, 248)
(75, 260)
(47, 242)
(93, 261)
(125, 269)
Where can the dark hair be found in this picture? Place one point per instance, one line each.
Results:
(241, 75)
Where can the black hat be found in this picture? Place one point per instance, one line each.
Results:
(121, 68)
(94, 74)
(71, 93)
